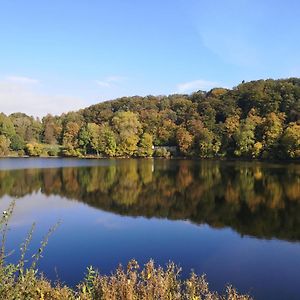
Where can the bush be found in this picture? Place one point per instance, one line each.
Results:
(162, 152)
(52, 150)
(17, 143)
(21, 153)
(34, 149)
(70, 151)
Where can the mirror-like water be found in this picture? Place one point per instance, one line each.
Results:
(237, 222)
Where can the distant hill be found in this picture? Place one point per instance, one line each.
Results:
(257, 119)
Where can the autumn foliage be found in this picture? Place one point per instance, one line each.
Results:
(258, 119)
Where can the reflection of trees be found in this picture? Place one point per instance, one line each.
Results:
(19, 183)
(252, 198)
(128, 184)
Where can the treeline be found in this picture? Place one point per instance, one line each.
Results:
(258, 119)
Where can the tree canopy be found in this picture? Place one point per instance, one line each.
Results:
(257, 119)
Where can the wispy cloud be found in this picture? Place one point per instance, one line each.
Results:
(196, 85)
(103, 83)
(22, 79)
(23, 94)
(236, 49)
(110, 81)
(232, 36)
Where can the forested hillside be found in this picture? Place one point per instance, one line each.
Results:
(258, 119)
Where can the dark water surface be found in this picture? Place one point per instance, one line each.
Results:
(237, 222)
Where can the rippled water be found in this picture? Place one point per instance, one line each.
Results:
(237, 222)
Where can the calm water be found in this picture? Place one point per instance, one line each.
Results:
(237, 222)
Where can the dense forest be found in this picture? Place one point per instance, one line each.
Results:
(257, 119)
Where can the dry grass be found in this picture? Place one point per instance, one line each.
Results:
(133, 283)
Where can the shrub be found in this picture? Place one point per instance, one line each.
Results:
(21, 153)
(52, 150)
(70, 151)
(17, 143)
(34, 149)
(162, 152)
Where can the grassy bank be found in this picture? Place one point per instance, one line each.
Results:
(22, 280)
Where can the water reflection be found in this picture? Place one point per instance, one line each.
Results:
(256, 199)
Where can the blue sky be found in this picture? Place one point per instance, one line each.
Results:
(62, 55)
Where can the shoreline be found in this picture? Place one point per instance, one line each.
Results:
(223, 159)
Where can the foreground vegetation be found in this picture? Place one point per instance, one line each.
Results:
(22, 280)
(258, 119)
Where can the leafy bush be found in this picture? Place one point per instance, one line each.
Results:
(17, 143)
(21, 153)
(70, 151)
(34, 149)
(52, 150)
(162, 152)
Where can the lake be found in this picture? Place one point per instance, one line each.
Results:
(237, 222)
